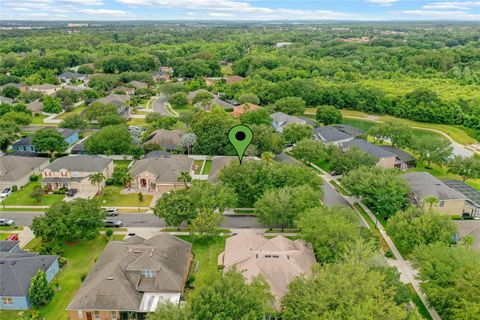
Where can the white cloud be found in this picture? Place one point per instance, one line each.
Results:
(219, 14)
(103, 12)
(462, 5)
(382, 2)
(443, 14)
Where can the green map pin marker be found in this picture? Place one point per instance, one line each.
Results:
(240, 137)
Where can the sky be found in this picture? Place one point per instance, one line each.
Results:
(361, 10)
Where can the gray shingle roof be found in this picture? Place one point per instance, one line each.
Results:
(168, 139)
(369, 148)
(116, 99)
(283, 119)
(6, 100)
(13, 168)
(424, 184)
(330, 134)
(80, 163)
(115, 282)
(355, 132)
(400, 154)
(7, 245)
(167, 169)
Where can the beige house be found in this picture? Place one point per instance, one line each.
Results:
(73, 172)
(279, 260)
(48, 89)
(16, 171)
(167, 139)
(133, 277)
(386, 159)
(423, 184)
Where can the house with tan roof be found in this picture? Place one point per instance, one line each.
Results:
(16, 171)
(48, 89)
(132, 278)
(244, 108)
(279, 260)
(167, 139)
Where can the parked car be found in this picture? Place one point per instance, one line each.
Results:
(12, 237)
(112, 212)
(6, 222)
(71, 192)
(6, 192)
(111, 223)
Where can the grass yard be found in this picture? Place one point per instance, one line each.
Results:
(81, 258)
(137, 122)
(11, 228)
(22, 197)
(124, 200)
(122, 162)
(208, 167)
(38, 119)
(422, 309)
(204, 266)
(77, 110)
(374, 229)
(325, 165)
(197, 164)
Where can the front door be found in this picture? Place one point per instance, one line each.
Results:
(89, 316)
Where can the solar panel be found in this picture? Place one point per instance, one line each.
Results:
(471, 193)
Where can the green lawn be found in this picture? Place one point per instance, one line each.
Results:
(137, 122)
(208, 167)
(81, 258)
(77, 110)
(122, 162)
(124, 200)
(38, 119)
(422, 309)
(325, 165)
(11, 228)
(204, 266)
(197, 164)
(22, 197)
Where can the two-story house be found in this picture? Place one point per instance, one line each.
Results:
(25, 144)
(73, 172)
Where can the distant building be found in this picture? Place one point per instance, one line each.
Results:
(354, 132)
(234, 79)
(403, 160)
(25, 144)
(472, 206)
(68, 77)
(386, 159)
(138, 84)
(280, 120)
(21, 86)
(36, 107)
(161, 76)
(126, 90)
(120, 101)
(6, 100)
(48, 89)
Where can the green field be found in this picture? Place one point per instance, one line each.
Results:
(124, 200)
(22, 197)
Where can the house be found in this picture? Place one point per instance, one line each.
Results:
(132, 277)
(126, 90)
(73, 172)
(17, 268)
(138, 84)
(472, 205)
(36, 107)
(423, 184)
(120, 101)
(216, 100)
(6, 100)
(280, 120)
(403, 160)
(354, 132)
(79, 148)
(210, 81)
(25, 144)
(279, 260)
(16, 170)
(161, 76)
(330, 135)
(386, 159)
(48, 89)
(233, 79)
(23, 87)
(246, 107)
(167, 139)
(68, 77)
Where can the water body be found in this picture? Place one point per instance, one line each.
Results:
(458, 149)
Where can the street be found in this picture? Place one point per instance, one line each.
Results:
(158, 106)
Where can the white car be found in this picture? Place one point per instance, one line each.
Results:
(6, 192)
(112, 212)
(6, 222)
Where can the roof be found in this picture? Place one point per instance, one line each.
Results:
(233, 79)
(115, 282)
(399, 153)
(27, 141)
(6, 100)
(369, 148)
(35, 106)
(168, 139)
(123, 89)
(166, 169)
(423, 184)
(116, 99)
(283, 119)
(80, 163)
(330, 134)
(218, 163)
(246, 107)
(138, 84)
(8, 245)
(279, 259)
(46, 86)
(17, 270)
(71, 75)
(157, 153)
(472, 194)
(355, 132)
(13, 168)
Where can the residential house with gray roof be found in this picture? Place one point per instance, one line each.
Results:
(36, 107)
(118, 100)
(280, 120)
(330, 135)
(26, 144)
(16, 170)
(167, 139)
(6, 100)
(386, 159)
(69, 76)
(403, 160)
(17, 268)
(423, 184)
(133, 277)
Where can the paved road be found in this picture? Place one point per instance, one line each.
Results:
(158, 106)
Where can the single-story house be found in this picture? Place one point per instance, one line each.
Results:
(472, 205)
(386, 159)
(327, 134)
(22, 86)
(244, 108)
(167, 139)
(36, 107)
(17, 268)
(403, 160)
(280, 120)
(25, 144)
(16, 170)
(161, 76)
(156, 153)
(120, 101)
(423, 184)
(210, 81)
(354, 132)
(279, 260)
(73, 172)
(138, 84)
(48, 89)
(68, 77)
(133, 277)
(127, 90)
(6, 100)
(234, 79)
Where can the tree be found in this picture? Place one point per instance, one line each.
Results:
(175, 208)
(37, 194)
(430, 201)
(465, 167)
(97, 110)
(110, 140)
(169, 311)
(283, 206)
(397, 133)
(248, 98)
(415, 226)
(110, 119)
(96, 179)
(309, 151)
(203, 98)
(353, 158)
(51, 105)
(8, 133)
(188, 141)
(290, 105)
(40, 292)
(265, 139)
(19, 118)
(434, 150)
(178, 100)
(70, 221)
(295, 132)
(75, 122)
(268, 157)
(49, 140)
(185, 177)
(328, 115)
(357, 291)
(384, 191)
(10, 92)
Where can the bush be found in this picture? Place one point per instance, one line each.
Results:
(14, 188)
(34, 178)
(83, 276)
(388, 254)
(109, 182)
(228, 109)
(109, 233)
(62, 261)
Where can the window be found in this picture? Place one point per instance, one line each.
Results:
(441, 204)
(114, 315)
(149, 273)
(96, 315)
(6, 301)
(80, 314)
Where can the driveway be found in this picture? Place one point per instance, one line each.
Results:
(159, 106)
(81, 195)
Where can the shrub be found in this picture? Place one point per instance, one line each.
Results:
(109, 182)
(34, 178)
(109, 233)
(14, 188)
(83, 276)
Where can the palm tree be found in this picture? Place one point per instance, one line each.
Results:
(468, 240)
(185, 177)
(96, 179)
(126, 179)
(431, 201)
